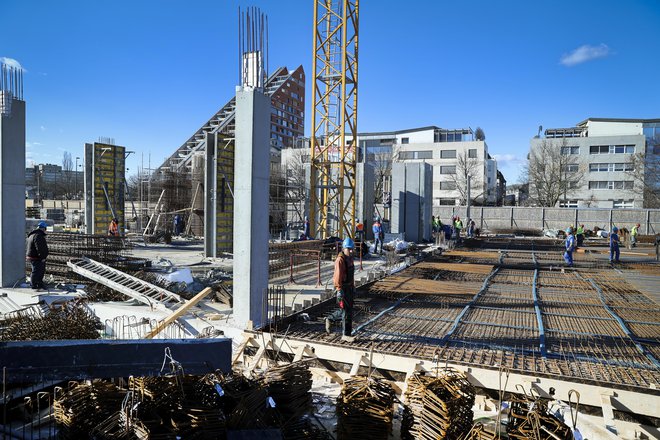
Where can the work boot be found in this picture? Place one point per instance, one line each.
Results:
(328, 326)
(346, 338)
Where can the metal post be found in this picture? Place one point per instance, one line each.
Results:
(76, 176)
(467, 212)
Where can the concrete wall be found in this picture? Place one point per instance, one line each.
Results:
(364, 193)
(517, 217)
(12, 194)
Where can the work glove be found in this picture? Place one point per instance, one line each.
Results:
(341, 303)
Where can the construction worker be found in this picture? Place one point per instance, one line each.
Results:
(377, 229)
(614, 245)
(458, 225)
(359, 231)
(344, 284)
(570, 244)
(36, 254)
(579, 234)
(178, 224)
(113, 227)
(633, 235)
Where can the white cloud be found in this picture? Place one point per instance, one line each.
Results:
(585, 53)
(42, 128)
(503, 158)
(12, 63)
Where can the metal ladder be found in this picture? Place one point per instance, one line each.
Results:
(130, 286)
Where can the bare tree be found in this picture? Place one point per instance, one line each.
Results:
(644, 169)
(553, 171)
(468, 168)
(67, 177)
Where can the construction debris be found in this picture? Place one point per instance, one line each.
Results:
(365, 409)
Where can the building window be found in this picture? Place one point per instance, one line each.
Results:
(448, 186)
(571, 168)
(405, 140)
(623, 204)
(611, 184)
(612, 149)
(444, 201)
(447, 154)
(448, 169)
(568, 204)
(472, 153)
(609, 167)
(565, 151)
(404, 155)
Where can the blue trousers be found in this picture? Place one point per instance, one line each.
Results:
(614, 253)
(376, 241)
(568, 257)
(38, 272)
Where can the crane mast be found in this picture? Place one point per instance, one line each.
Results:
(334, 118)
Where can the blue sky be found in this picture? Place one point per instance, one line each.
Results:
(149, 73)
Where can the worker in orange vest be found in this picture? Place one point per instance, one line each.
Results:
(359, 231)
(113, 228)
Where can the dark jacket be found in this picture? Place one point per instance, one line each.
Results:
(37, 248)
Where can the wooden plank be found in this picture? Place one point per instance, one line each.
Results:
(456, 267)
(178, 312)
(400, 284)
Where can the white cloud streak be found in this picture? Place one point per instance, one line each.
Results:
(585, 53)
(11, 63)
(511, 158)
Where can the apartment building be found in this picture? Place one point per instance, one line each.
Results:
(453, 154)
(612, 162)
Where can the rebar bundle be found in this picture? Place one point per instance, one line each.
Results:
(365, 408)
(72, 320)
(290, 388)
(84, 406)
(438, 407)
(63, 246)
(530, 419)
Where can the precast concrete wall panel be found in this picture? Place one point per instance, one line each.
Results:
(398, 209)
(413, 205)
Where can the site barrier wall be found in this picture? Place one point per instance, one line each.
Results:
(508, 218)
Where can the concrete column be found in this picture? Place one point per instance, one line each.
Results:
(196, 218)
(251, 186)
(210, 191)
(12, 193)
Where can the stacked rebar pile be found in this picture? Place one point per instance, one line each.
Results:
(365, 408)
(290, 388)
(73, 320)
(530, 419)
(438, 407)
(84, 406)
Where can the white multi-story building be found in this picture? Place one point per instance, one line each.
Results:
(612, 157)
(452, 153)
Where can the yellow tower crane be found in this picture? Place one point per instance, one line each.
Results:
(334, 118)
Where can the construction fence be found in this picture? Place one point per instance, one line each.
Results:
(511, 218)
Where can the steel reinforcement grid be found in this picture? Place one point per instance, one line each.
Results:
(477, 308)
